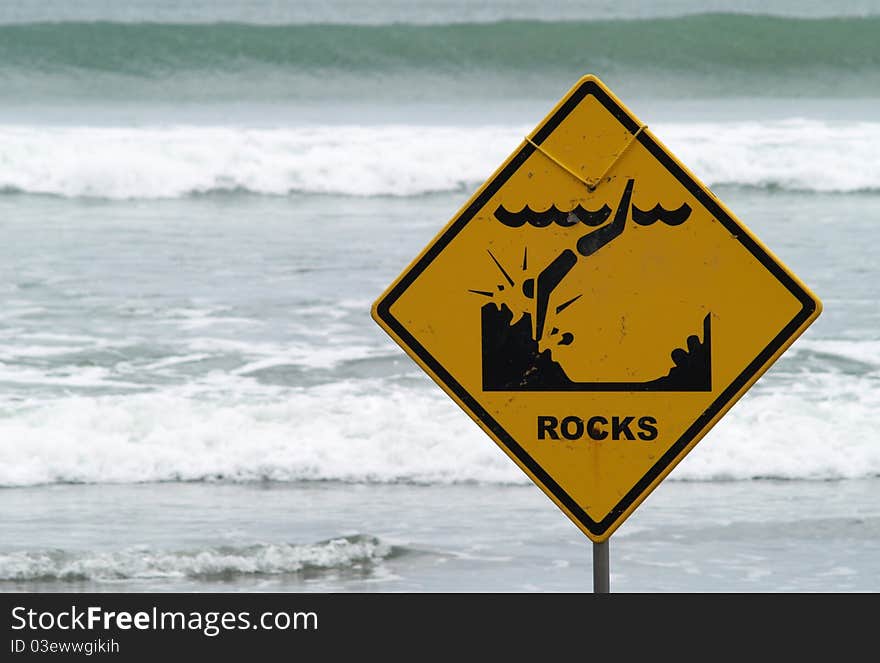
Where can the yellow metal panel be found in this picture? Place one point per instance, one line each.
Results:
(596, 330)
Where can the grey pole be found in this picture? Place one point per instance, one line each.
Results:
(601, 572)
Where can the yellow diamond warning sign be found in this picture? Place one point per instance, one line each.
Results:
(595, 308)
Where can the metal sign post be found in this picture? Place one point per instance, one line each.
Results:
(601, 570)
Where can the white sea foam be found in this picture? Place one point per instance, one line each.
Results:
(264, 355)
(819, 426)
(140, 562)
(399, 160)
(823, 427)
(338, 431)
(795, 154)
(85, 376)
(21, 351)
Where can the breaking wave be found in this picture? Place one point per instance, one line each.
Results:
(400, 160)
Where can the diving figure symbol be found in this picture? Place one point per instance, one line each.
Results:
(511, 359)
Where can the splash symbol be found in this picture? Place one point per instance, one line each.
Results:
(527, 287)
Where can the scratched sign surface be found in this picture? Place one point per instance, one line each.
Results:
(595, 308)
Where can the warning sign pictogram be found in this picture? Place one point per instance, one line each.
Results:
(595, 308)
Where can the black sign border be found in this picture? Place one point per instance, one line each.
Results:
(808, 307)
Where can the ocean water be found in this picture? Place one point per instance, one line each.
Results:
(199, 204)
